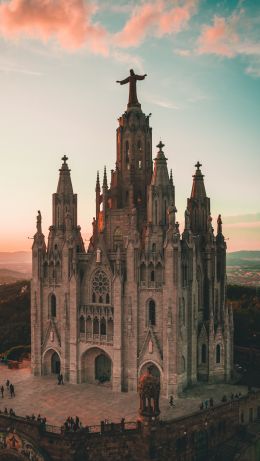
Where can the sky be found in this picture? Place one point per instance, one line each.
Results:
(59, 62)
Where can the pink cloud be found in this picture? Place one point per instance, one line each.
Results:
(220, 38)
(154, 19)
(67, 21)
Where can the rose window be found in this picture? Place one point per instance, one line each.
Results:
(100, 288)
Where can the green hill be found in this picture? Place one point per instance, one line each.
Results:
(15, 325)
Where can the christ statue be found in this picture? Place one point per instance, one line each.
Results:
(132, 101)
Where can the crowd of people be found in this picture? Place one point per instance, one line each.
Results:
(72, 425)
(209, 403)
(9, 389)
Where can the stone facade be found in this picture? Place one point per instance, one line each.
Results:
(142, 294)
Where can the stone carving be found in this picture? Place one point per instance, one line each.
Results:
(132, 79)
(149, 392)
(16, 443)
(219, 221)
(39, 222)
(187, 219)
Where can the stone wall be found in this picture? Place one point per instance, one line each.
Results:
(202, 436)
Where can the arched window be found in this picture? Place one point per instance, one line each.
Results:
(100, 287)
(53, 306)
(203, 353)
(153, 247)
(151, 312)
(110, 327)
(95, 326)
(159, 273)
(107, 298)
(118, 239)
(89, 325)
(152, 276)
(218, 351)
(103, 326)
(82, 324)
(142, 272)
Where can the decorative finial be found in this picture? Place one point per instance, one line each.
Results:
(64, 158)
(160, 146)
(198, 165)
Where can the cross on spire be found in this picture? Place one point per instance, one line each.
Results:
(198, 165)
(64, 158)
(160, 145)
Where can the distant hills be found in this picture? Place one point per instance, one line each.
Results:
(15, 266)
(244, 258)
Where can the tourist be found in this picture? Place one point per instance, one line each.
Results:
(7, 383)
(206, 404)
(171, 401)
(61, 379)
(2, 391)
(5, 411)
(211, 402)
(12, 390)
(122, 424)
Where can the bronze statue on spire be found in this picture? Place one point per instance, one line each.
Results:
(132, 101)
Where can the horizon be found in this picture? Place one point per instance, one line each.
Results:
(60, 96)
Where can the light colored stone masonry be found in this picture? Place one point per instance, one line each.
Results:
(141, 295)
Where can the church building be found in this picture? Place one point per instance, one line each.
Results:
(143, 294)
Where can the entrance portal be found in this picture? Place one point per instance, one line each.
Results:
(102, 368)
(152, 368)
(51, 362)
(55, 363)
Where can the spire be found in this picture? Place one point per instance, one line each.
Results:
(160, 173)
(97, 183)
(198, 189)
(105, 179)
(171, 180)
(64, 184)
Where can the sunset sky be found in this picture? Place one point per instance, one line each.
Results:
(59, 61)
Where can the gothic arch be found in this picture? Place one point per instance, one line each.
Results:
(143, 368)
(218, 354)
(51, 360)
(89, 365)
(118, 238)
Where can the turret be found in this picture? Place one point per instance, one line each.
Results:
(199, 204)
(160, 191)
(64, 201)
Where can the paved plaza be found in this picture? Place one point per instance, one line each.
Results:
(93, 403)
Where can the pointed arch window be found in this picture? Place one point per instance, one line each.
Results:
(151, 312)
(103, 327)
(127, 154)
(53, 306)
(142, 272)
(82, 324)
(118, 239)
(96, 326)
(203, 353)
(218, 353)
